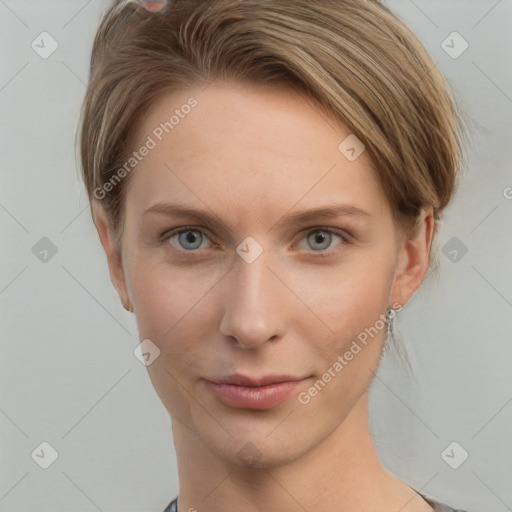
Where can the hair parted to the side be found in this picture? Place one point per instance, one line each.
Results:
(356, 58)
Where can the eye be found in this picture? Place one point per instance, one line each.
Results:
(188, 239)
(191, 239)
(320, 240)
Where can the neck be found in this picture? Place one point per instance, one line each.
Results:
(342, 473)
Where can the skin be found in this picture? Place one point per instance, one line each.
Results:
(252, 156)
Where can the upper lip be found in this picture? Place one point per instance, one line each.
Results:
(242, 380)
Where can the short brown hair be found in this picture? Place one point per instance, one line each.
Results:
(354, 57)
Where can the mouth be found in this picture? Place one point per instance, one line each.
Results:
(254, 393)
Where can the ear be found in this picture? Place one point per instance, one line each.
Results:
(413, 258)
(113, 252)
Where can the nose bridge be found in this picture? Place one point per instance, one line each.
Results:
(251, 306)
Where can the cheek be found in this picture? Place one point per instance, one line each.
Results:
(326, 306)
(345, 356)
(345, 301)
(171, 307)
(166, 296)
(179, 310)
(325, 309)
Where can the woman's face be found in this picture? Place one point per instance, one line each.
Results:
(258, 284)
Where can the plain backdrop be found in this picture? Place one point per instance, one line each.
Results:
(68, 375)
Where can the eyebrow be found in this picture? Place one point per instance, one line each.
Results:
(304, 216)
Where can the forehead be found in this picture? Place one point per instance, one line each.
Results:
(235, 145)
(273, 118)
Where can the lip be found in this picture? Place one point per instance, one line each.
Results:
(243, 380)
(254, 393)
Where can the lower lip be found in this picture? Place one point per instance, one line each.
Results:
(262, 397)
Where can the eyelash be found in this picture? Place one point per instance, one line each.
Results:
(167, 235)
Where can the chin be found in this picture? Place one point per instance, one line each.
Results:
(259, 450)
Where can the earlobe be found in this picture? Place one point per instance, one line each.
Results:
(113, 254)
(413, 258)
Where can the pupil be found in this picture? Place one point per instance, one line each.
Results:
(320, 237)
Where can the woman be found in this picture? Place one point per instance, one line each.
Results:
(254, 130)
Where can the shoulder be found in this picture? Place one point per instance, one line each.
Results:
(173, 506)
(437, 506)
(440, 507)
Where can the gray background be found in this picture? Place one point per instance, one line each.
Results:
(68, 373)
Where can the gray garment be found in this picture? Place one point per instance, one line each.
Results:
(436, 505)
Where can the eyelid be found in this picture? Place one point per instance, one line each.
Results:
(345, 237)
(177, 231)
(336, 231)
(343, 234)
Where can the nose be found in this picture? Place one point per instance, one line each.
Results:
(254, 304)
